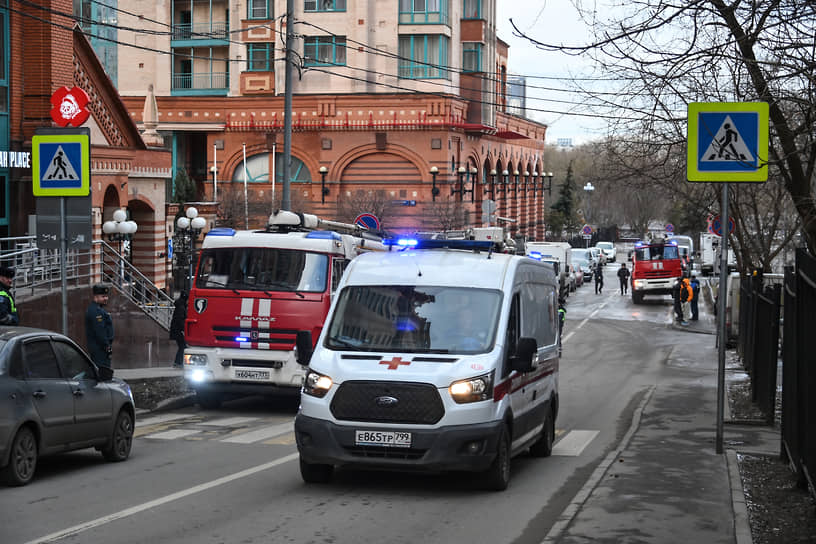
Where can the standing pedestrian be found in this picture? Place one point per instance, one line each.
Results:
(177, 327)
(8, 310)
(685, 300)
(678, 309)
(562, 316)
(695, 296)
(623, 276)
(99, 327)
(598, 279)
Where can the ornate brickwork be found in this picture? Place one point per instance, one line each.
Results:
(97, 106)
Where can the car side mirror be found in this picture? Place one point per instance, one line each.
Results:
(522, 361)
(303, 347)
(104, 373)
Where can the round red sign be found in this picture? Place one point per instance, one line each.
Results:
(69, 106)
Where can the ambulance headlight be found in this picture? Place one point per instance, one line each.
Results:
(472, 389)
(316, 384)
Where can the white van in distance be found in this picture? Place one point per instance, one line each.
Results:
(434, 359)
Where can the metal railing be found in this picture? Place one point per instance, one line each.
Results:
(38, 272)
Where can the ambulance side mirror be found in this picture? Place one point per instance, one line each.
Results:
(522, 361)
(303, 347)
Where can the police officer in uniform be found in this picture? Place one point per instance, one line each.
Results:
(8, 310)
(99, 327)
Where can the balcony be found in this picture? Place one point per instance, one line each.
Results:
(203, 83)
(200, 34)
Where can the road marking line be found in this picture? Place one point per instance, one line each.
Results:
(264, 433)
(228, 421)
(172, 434)
(160, 419)
(574, 443)
(76, 529)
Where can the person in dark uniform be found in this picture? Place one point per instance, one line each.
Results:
(8, 310)
(177, 327)
(99, 327)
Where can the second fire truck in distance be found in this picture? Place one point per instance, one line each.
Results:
(656, 265)
(253, 292)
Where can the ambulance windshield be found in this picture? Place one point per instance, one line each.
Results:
(405, 318)
(263, 269)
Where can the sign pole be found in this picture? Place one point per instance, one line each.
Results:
(722, 296)
(63, 253)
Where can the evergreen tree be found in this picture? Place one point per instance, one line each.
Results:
(562, 214)
(185, 188)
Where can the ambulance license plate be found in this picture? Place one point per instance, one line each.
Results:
(394, 439)
(252, 374)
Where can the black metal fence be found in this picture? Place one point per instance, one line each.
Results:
(799, 368)
(765, 310)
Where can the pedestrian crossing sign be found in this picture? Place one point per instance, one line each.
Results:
(61, 164)
(727, 141)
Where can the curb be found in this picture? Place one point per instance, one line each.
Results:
(742, 526)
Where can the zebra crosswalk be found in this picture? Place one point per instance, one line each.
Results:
(279, 430)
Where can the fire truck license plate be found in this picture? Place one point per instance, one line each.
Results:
(383, 438)
(252, 374)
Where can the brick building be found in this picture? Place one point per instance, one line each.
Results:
(384, 92)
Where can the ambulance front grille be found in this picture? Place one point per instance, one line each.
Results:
(416, 403)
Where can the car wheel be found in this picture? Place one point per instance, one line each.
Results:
(315, 473)
(118, 449)
(23, 458)
(207, 400)
(543, 446)
(497, 477)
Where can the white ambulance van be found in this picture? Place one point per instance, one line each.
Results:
(440, 356)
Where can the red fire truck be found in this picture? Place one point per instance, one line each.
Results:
(253, 292)
(656, 265)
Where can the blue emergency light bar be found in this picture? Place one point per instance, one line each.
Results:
(221, 231)
(323, 235)
(413, 243)
(535, 255)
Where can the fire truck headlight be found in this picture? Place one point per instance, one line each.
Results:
(199, 375)
(640, 284)
(316, 384)
(472, 389)
(195, 359)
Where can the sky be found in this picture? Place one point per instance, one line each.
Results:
(551, 21)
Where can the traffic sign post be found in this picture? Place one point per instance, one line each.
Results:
(727, 142)
(61, 167)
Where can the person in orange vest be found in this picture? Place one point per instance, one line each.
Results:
(686, 294)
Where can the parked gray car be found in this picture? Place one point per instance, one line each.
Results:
(54, 399)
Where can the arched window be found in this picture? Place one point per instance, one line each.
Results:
(257, 170)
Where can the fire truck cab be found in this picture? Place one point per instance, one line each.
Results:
(656, 265)
(253, 292)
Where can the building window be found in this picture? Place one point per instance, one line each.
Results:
(324, 50)
(260, 57)
(472, 57)
(257, 170)
(423, 57)
(472, 9)
(260, 9)
(423, 11)
(324, 5)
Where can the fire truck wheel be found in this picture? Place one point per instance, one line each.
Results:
(497, 477)
(544, 445)
(637, 298)
(208, 400)
(314, 473)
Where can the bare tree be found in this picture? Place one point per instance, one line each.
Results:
(375, 202)
(665, 54)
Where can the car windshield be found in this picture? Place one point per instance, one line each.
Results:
(262, 269)
(656, 253)
(406, 318)
(580, 254)
(605, 245)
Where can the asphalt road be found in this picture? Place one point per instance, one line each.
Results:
(232, 475)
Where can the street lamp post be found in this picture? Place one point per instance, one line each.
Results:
(549, 176)
(506, 176)
(323, 189)
(491, 189)
(588, 188)
(472, 189)
(516, 184)
(535, 182)
(435, 189)
(187, 230)
(121, 230)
